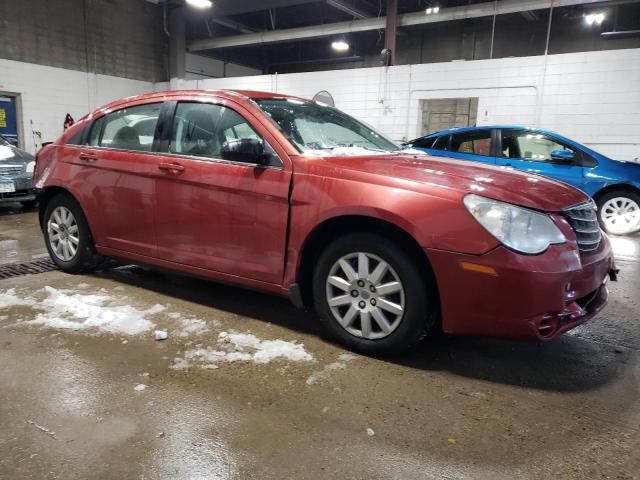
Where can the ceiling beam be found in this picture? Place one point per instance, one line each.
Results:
(348, 9)
(476, 10)
(235, 7)
(233, 25)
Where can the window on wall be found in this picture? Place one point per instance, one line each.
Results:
(201, 129)
(477, 143)
(127, 129)
(527, 145)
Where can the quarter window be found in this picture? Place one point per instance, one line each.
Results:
(476, 143)
(127, 129)
(532, 146)
(201, 129)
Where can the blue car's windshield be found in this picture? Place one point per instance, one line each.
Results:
(319, 129)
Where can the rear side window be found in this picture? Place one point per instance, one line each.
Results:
(127, 129)
(476, 143)
(77, 138)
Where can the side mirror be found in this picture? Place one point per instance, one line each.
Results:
(562, 156)
(246, 150)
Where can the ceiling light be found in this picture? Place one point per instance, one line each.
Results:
(200, 3)
(431, 10)
(592, 18)
(436, 9)
(340, 45)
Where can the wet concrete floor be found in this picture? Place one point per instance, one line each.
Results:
(458, 408)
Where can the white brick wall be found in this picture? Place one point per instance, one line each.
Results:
(593, 97)
(48, 93)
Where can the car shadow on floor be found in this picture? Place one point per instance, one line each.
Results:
(571, 363)
(7, 209)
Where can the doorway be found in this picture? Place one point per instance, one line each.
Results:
(444, 113)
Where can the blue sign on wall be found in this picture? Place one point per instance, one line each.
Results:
(8, 119)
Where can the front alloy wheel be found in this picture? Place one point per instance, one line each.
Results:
(365, 295)
(620, 215)
(62, 228)
(374, 294)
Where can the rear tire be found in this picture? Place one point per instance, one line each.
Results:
(368, 311)
(619, 212)
(67, 236)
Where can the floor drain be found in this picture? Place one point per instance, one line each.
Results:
(31, 268)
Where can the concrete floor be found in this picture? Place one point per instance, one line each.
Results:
(459, 408)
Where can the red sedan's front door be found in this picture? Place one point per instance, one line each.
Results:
(225, 216)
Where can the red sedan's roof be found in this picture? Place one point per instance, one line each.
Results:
(254, 95)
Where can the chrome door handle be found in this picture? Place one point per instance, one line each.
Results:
(171, 167)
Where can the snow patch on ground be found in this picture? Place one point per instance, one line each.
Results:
(94, 312)
(67, 310)
(324, 374)
(242, 347)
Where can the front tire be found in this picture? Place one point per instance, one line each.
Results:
(67, 236)
(370, 295)
(619, 212)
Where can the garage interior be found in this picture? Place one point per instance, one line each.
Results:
(109, 397)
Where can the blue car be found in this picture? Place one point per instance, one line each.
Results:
(614, 185)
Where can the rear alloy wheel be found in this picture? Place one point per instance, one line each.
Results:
(371, 296)
(67, 236)
(63, 234)
(619, 212)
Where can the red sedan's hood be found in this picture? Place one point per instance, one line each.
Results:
(430, 174)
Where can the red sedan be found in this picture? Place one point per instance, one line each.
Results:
(297, 198)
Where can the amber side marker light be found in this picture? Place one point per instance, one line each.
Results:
(474, 267)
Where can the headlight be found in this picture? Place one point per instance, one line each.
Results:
(31, 166)
(521, 229)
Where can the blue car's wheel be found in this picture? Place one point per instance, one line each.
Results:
(619, 212)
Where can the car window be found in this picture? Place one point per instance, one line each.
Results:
(441, 143)
(423, 142)
(127, 129)
(76, 138)
(475, 142)
(530, 146)
(201, 129)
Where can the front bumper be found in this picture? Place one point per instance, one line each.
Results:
(505, 294)
(24, 189)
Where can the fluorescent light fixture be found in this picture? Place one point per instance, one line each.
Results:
(431, 10)
(200, 3)
(436, 9)
(592, 18)
(340, 45)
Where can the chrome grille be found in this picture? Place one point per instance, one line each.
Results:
(9, 171)
(583, 219)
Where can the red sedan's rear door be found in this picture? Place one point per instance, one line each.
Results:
(226, 216)
(113, 177)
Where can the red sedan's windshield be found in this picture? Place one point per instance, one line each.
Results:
(316, 128)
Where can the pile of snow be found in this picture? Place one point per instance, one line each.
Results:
(68, 310)
(243, 347)
(76, 311)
